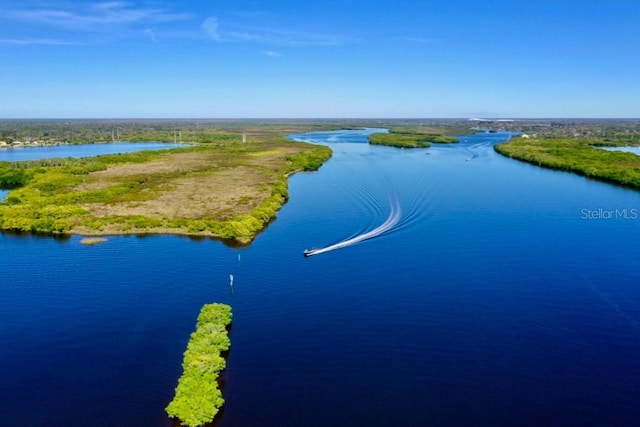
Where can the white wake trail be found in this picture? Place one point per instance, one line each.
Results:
(387, 225)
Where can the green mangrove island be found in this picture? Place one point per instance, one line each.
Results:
(580, 156)
(228, 187)
(198, 397)
(409, 138)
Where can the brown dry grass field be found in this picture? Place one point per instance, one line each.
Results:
(217, 184)
(229, 187)
(196, 185)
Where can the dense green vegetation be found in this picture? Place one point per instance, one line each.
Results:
(45, 201)
(211, 130)
(198, 130)
(11, 177)
(198, 397)
(580, 156)
(407, 138)
(95, 131)
(310, 160)
(55, 195)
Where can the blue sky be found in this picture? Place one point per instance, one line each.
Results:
(236, 59)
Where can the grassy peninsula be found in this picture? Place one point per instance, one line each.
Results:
(408, 138)
(580, 156)
(198, 397)
(225, 188)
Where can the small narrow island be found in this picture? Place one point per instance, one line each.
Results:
(198, 397)
(578, 155)
(409, 138)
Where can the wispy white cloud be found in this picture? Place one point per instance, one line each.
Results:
(229, 32)
(286, 38)
(35, 42)
(271, 53)
(210, 27)
(151, 34)
(95, 17)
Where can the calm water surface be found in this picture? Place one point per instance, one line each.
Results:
(504, 295)
(82, 150)
(634, 150)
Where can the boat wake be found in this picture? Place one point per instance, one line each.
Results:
(476, 150)
(472, 151)
(388, 225)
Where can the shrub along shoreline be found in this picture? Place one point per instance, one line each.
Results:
(579, 156)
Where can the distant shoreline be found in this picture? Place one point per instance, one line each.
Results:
(579, 156)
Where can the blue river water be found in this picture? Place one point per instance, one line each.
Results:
(81, 150)
(504, 294)
(634, 150)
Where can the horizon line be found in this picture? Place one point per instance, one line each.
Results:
(471, 119)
